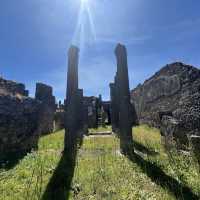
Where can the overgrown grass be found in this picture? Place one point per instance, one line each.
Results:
(182, 167)
(101, 172)
(92, 131)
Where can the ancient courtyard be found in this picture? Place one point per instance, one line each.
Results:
(101, 132)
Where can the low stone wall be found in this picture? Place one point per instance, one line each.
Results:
(18, 124)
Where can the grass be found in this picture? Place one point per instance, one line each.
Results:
(102, 173)
(106, 128)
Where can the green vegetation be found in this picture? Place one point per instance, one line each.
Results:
(92, 131)
(102, 173)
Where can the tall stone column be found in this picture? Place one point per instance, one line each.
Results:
(122, 71)
(72, 74)
(120, 100)
(73, 104)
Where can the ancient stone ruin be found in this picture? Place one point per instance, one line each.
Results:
(98, 112)
(24, 119)
(82, 113)
(74, 110)
(44, 94)
(170, 100)
(59, 117)
(91, 104)
(12, 88)
(106, 113)
(121, 108)
(18, 118)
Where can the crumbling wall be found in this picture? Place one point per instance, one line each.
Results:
(174, 91)
(44, 94)
(59, 117)
(91, 107)
(18, 119)
(8, 87)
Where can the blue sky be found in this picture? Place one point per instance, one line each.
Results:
(36, 34)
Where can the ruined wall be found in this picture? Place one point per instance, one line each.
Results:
(18, 118)
(44, 94)
(173, 91)
(59, 120)
(59, 117)
(107, 109)
(8, 87)
(91, 107)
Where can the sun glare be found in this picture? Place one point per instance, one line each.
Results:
(84, 1)
(84, 32)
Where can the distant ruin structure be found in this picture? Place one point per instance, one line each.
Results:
(59, 117)
(44, 94)
(98, 112)
(91, 105)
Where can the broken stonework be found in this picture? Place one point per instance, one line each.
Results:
(91, 107)
(173, 91)
(174, 134)
(8, 87)
(44, 94)
(121, 107)
(59, 117)
(18, 119)
(107, 110)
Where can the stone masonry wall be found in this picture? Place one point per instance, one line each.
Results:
(174, 91)
(18, 119)
(8, 87)
(44, 94)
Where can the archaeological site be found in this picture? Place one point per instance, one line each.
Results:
(99, 100)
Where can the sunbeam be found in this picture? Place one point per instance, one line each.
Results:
(84, 1)
(84, 33)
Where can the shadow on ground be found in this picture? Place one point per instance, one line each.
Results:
(10, 160)
(59, 185)
(144, 149)
(157, 175)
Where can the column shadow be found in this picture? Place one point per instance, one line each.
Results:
(59, 185)
(144, 149)
(10, 160)
(157, 175)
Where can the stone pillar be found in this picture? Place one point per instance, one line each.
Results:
(114, 108)
(73, 104)
(72, 74)
(122, 71)
(120, 102)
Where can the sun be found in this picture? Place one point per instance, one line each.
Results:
(84, 1)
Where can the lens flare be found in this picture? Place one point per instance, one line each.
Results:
(84, 33)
